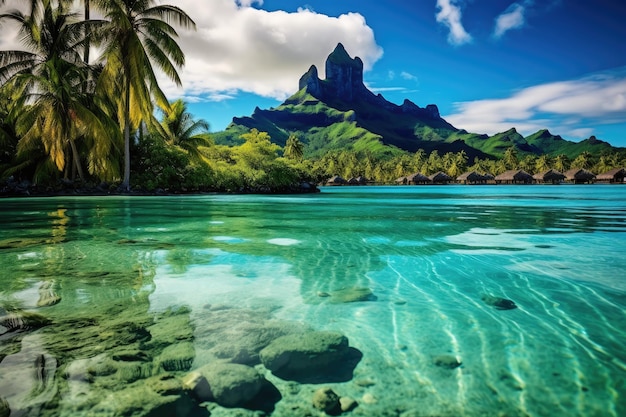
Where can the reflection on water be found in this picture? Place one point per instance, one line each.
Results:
(109, 306)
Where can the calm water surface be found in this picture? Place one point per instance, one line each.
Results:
(116, 276)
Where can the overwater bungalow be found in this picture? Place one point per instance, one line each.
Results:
(417, 178)
(471, 177)
(361, 180)
(518, 176)
(440, 178)
(580, 176)
(335, 180)
(401, 180)
(615, 175)
(550, 176)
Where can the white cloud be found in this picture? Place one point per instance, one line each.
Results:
(562, 106)
(408, 76)
(450, 15)
(512, 18)
(239, 48)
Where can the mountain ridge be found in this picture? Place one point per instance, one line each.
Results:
(341, 112)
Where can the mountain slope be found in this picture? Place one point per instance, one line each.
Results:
(339, 112)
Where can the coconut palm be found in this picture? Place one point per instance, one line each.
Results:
(49, 77)
(137, 38)
(294, 148)
(180, 129)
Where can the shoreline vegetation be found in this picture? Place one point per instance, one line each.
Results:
(11, 188)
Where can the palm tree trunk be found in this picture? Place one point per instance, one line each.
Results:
(87, 46)
(75, 157)
(126, 182)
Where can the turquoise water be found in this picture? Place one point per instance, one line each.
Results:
(216, 266)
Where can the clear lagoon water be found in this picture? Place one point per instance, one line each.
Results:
(116, 277)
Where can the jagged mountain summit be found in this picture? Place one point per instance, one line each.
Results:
(340, 112)
(344, 82)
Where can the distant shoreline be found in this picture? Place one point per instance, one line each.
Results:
(30, 193)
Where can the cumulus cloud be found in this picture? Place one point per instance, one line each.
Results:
(450, 15)
(512, 18)
(241, 48)
(562, 106)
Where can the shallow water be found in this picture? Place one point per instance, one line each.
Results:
(97, 267)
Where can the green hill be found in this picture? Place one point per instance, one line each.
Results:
(339, 112)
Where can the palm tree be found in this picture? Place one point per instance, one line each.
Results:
(55, 112)
(583, 160)
(510, 158)
(180, 129)
(561, 162)
(138, 37)
(294, 148)
(542, 164)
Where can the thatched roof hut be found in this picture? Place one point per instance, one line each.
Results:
(580, 176)
(361, 180)
(614, 175)
(336, 180)
(440, 178)
(518, 176)
(471, 177)
(401, 180)
(417, 178)
(550, 175)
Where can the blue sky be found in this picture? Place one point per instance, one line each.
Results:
(488, 64)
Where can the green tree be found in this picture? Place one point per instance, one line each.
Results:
(583, 160)
(561, 162)
(510, 158)
(138, 37)
(543, 163)
(528, 163)
(257, 152)
(294, 148)
(180, 129)
(55, 110)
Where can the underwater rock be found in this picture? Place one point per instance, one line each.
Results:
(133, 371)
(348, 404)
(243, 341)
(446, 361)
(327, 400)
(228, 384)
(131, 356)
(124, 334)
(5, 411)
(352, 295)
(166, 384)
(142, 401)
(368, 398)
(314, 356)
(47, 294)
(17, 321)
(170, 330)
(498, 302)
(178, 357)
(365, 382)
